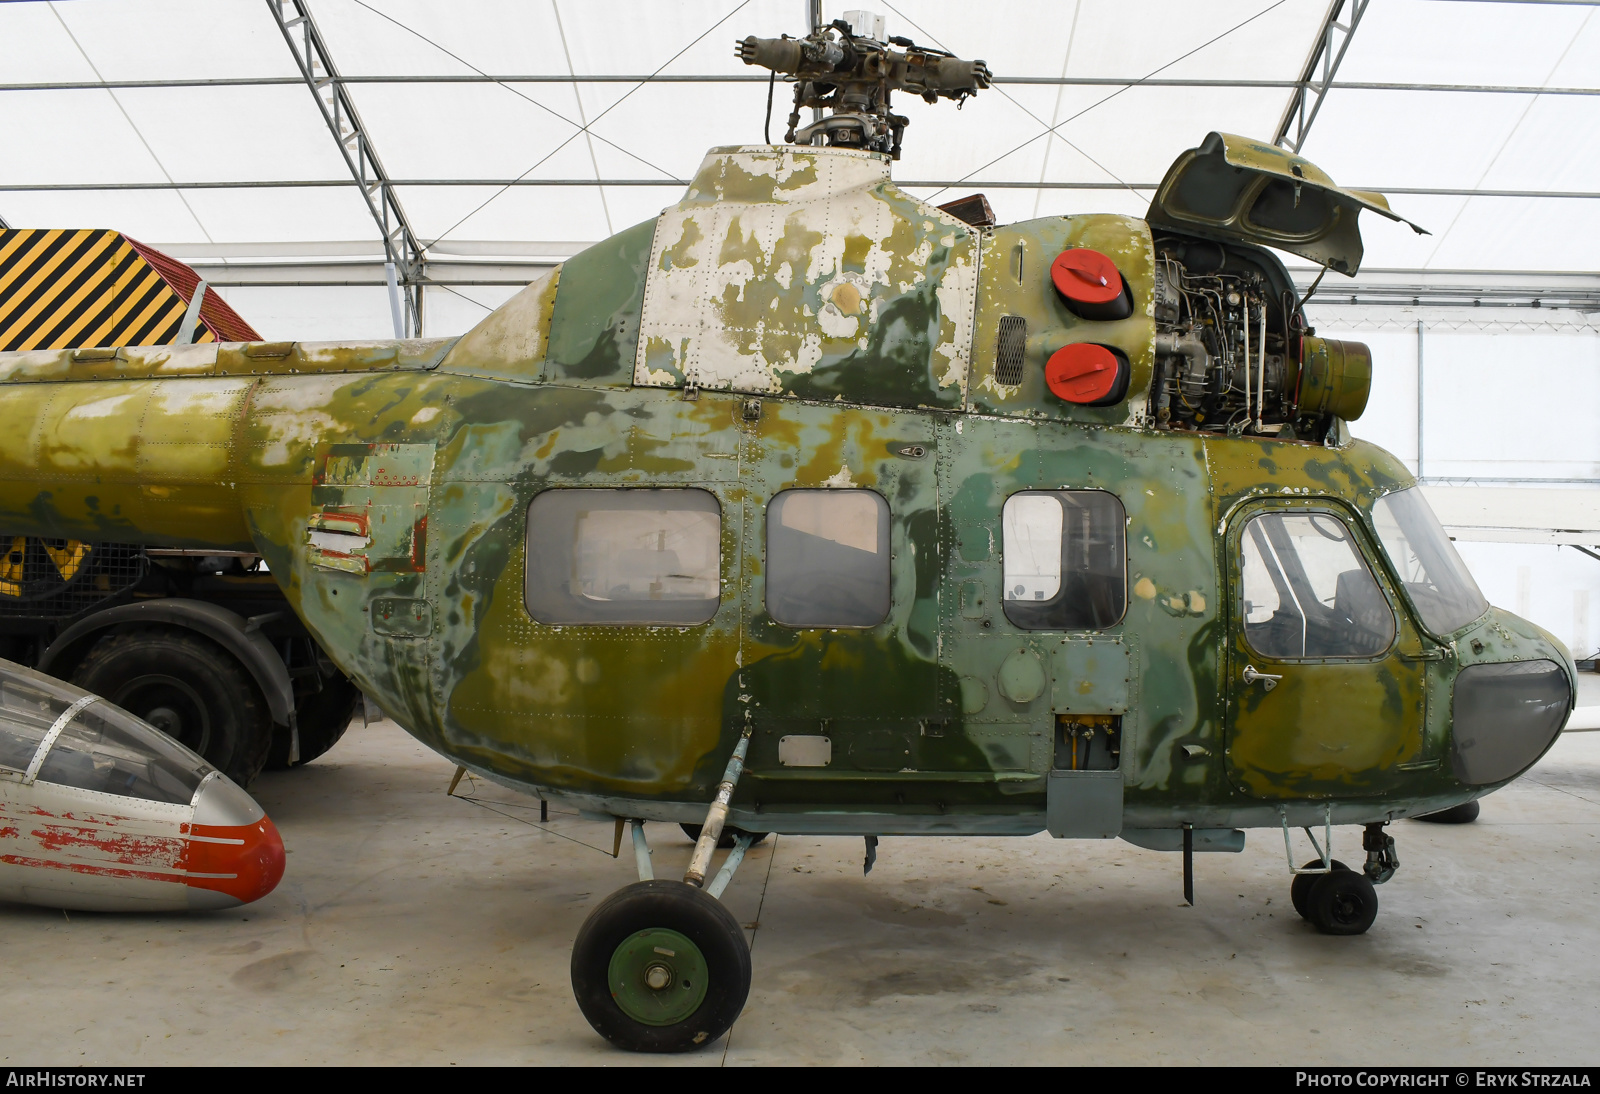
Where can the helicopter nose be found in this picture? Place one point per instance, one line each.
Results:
(1504, 716)
(235, 854)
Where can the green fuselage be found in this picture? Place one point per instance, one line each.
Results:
(388, 487)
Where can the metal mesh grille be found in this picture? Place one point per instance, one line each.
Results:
(51, 578)
(1008, 347)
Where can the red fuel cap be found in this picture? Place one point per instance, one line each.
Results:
(1089, 276)
(1087, 374)
(1090, 284)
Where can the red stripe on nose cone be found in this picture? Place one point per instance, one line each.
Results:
(242, 861)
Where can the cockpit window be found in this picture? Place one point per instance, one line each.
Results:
(1438, 582)
(98, 747)
(1307, 591)
(106, 749)
(27, 710)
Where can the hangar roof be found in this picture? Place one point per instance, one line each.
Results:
(189, 122)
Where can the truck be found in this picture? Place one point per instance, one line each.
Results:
(201, 644)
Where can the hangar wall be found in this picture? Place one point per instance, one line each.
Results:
(1506, 401)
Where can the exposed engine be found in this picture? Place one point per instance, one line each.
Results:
(1221, 341)
(1232, 344)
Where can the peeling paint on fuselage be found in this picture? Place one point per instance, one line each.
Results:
(807, 272)
(796, 321)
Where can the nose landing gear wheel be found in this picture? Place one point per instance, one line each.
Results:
(1465, 813)
(1300, 887)
(661, 966)
(1342, 903)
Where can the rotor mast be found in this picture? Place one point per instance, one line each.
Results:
(848, 69)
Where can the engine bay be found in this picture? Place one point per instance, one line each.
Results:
(1228, 324)
(1234, 353)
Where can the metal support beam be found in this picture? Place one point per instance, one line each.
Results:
(317, 68)
(813, 21)
(1326, 55)
(1484, 299)
(3, 225)
(1419, 398)
(915, 184)
(191, 317)
(745, 78)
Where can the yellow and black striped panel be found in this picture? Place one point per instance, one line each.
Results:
(63, 288)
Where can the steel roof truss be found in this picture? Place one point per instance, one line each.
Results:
(1327, 53)
(322, 77)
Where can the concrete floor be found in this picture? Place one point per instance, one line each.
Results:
(416, 928)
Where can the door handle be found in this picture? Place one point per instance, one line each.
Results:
(1268, 680)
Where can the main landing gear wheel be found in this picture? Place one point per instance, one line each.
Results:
(1300, 887)
(661, 966)
(1465, 813)
(729, 834)
(1342, 903)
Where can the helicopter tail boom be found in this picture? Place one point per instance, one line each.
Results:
(161, 446)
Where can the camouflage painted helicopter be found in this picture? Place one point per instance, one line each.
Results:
(808, 507)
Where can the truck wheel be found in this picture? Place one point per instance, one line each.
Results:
(322, 716)
(190, 689)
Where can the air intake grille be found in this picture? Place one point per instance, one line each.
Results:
(57, 578)
(1008, 347)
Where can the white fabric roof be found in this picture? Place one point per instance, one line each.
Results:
(486, 131)
(1364, 138)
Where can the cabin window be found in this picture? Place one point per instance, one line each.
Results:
(828, 558)
(624, 556)
(1307, 591)
(1065, 558)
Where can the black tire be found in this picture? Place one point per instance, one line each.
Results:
(189, 688)
(1342, 903)
(1300, 887)
(323, 716)
(1465, 813)
(729, 834)
(648, 909)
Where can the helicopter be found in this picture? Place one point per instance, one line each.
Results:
(810, 507)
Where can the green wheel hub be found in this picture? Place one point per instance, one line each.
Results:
(658, 977)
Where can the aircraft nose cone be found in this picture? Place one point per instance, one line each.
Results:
(235, 853)
(1504, 717)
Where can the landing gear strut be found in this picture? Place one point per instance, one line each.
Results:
(663, 966)
(1382, 861)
